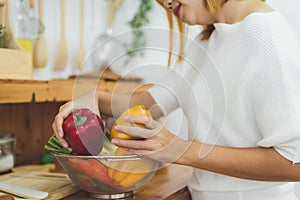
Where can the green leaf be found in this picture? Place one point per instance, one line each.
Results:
(139, 20)
(46, 158)
(2, 32)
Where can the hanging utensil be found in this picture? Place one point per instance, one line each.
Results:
(114, 5)
(61, 60)
(80, 56)
(106, 45)
(2, 3)
(40, 53)
(2, 21)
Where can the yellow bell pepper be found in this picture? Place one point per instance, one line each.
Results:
(139, 110)
(128, 173)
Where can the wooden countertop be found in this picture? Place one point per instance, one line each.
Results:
(169, 183)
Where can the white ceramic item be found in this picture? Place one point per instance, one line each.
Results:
(23, 192)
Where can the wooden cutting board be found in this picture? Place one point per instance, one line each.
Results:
(58, 185)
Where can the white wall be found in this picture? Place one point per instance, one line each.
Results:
(290, 9)
(96, 22)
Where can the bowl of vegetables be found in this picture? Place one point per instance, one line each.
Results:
(108, 177)
(96, 165)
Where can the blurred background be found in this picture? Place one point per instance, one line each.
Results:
(95, 16)
(85, 21)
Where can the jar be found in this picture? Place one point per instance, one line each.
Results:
(23, 27)
(7, 153)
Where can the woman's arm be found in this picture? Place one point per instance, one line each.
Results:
(114, 104)
(263, 164)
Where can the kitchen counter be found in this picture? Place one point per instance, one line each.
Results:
(169, 183)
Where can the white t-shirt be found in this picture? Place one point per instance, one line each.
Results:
(241, 88)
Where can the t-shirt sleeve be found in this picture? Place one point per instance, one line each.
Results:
(276, 101)
(164, 92)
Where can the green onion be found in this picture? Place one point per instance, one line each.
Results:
(56, 146)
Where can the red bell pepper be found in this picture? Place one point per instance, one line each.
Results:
(84, 131)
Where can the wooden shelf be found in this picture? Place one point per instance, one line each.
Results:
(24, 91)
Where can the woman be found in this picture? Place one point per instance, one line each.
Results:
(243, 117)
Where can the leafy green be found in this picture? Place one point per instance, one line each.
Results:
(2, 35)
(56, 146)
(46, 158)
(139, 20)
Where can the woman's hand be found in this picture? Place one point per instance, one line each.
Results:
(158, 143)
(88, 100)
(64, 111)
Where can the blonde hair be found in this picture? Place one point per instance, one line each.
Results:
(181, 27)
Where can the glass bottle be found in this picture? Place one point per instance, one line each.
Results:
(23, 25)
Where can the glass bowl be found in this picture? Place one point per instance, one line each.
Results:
(108, 177)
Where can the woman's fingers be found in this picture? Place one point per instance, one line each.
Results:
(64, 111)
(148, 122)
(150, 129)
(132, 144)
(136, 131)
(57, 125)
